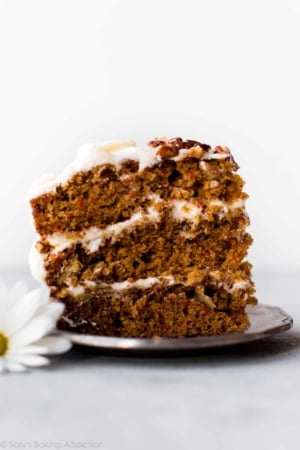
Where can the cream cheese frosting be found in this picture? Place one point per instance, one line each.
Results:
(91, 155)
(141, 283)
(36, 263)
(185, 210)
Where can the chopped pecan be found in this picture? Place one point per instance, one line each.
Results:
(167, 151)
(176, 142)
(189, 143)
(157, 142)
(168, 148)
(196, 152)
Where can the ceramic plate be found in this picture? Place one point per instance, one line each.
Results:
(265, 321)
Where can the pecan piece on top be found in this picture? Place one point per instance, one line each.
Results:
(189, 143)
(176, 142)
(156, 142)
(168, 148)
(167, 151)
(196, 152)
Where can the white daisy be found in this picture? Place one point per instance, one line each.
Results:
(26, 317)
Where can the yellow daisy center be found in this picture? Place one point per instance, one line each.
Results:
(3, 344)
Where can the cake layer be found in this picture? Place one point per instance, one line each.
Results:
(116, 152)
(105, 194)
(159, 311)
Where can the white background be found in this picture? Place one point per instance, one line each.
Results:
(226, 72)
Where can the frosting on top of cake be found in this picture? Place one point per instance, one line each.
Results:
(115, 152)
(91, 155)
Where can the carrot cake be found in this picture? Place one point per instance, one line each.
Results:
(146, 241)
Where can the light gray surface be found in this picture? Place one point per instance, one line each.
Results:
(243, 397)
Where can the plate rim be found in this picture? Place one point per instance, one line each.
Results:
(148, 345)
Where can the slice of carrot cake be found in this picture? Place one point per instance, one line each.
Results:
(145, 242)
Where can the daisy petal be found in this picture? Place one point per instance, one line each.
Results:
(45, 299)
(3, 290)
(26, 318)
(29, 360)
(21, 312)
(3, 299)
(36, 329)
(14, 366)
(54, 344)
(18, 291)
(27, 350)
(52, 309)
(12, 297)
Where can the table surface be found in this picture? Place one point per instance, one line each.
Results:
(246, 396)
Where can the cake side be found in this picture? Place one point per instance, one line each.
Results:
(149, 250)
